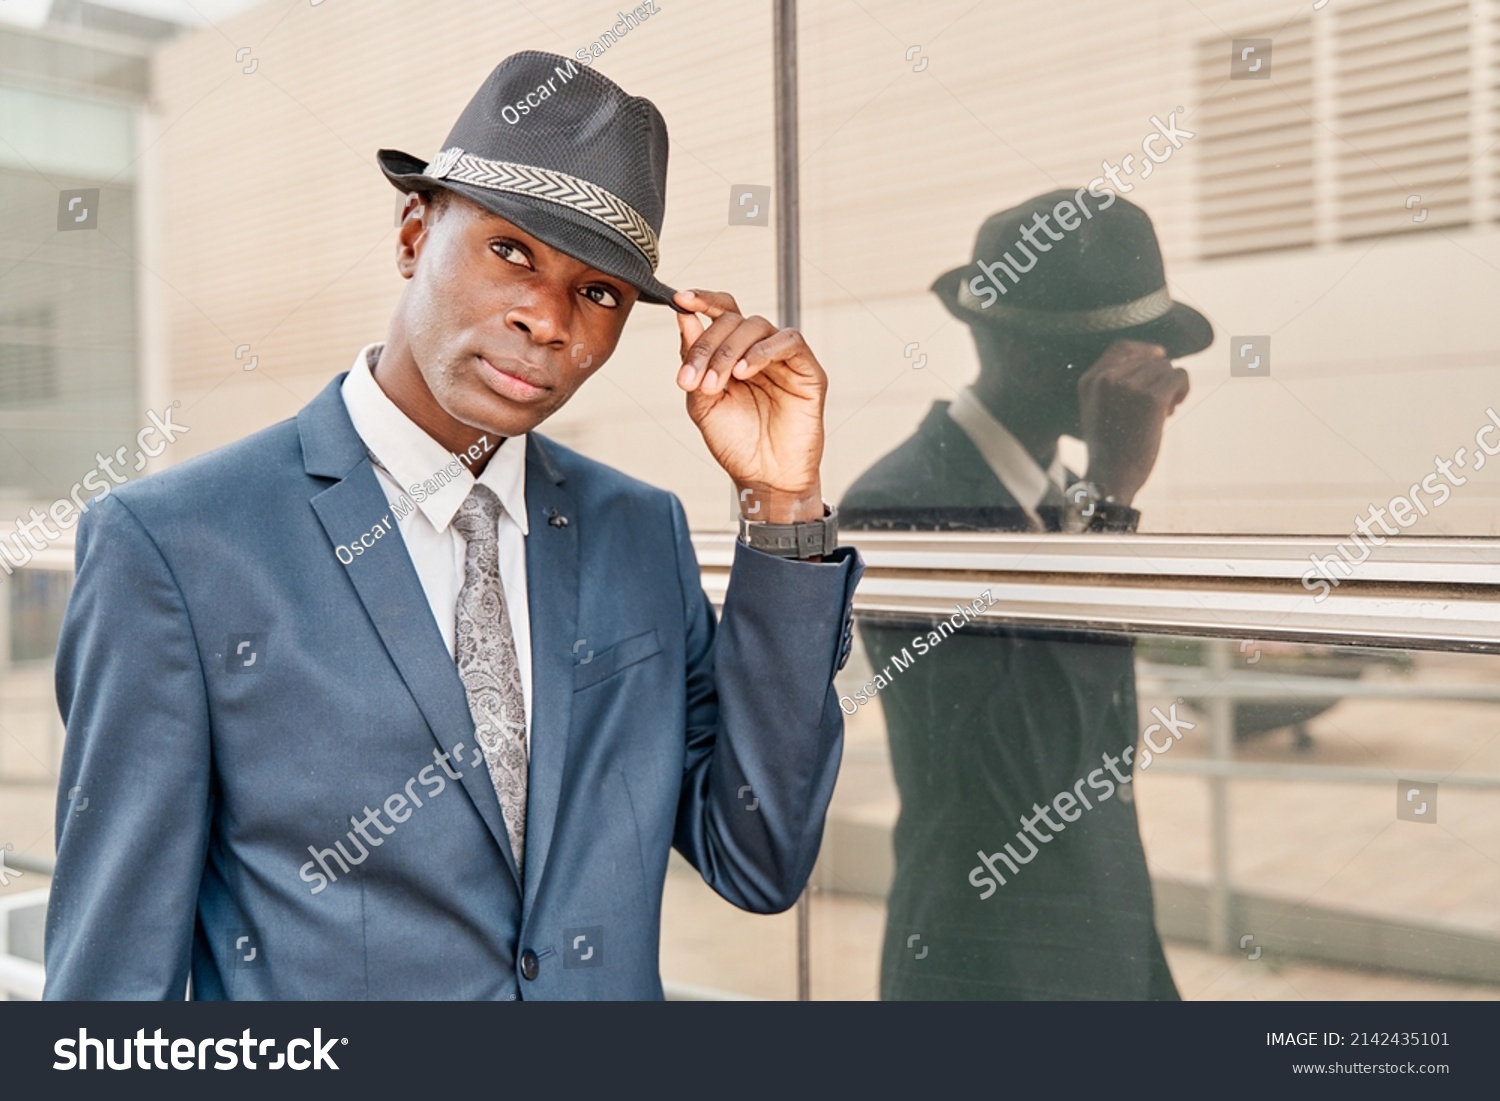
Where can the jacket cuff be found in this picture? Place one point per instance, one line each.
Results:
(797, 593)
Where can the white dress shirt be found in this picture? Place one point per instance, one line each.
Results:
(414, 465)
(1012, 464)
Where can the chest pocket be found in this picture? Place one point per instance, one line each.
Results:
(606, 663)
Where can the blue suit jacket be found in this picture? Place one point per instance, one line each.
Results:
(237, 701)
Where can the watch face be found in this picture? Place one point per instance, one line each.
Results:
(1083, 502)
(1083, 497)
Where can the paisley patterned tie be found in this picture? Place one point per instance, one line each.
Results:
(485, 651)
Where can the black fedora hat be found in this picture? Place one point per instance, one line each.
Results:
(1070, 266)
(564, 153)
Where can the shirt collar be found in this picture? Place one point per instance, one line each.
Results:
(421, 466)
(1012, 464)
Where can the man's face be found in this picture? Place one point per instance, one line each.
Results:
(503, 328)
(1041, 380)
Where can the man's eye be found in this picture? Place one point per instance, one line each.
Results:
(604, 296)
(510, 252)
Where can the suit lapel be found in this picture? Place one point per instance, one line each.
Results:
(552, 586)
(392, 594)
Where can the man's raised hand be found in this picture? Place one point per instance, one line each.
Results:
(1124, 401)
(756, 393)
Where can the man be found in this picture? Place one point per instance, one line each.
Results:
(985, 732)
(399, 699)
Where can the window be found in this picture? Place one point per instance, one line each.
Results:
(1372, 122)
(1405, 115)
(1257, 178)
(28, 365)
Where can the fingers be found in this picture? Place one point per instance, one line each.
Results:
(730, 355)
(1147, 349)
(710, 355)
(698, 343)
(1130, 363)
(786, 346)
(695, 368)
(1120, 361)
(1128, 356)
(733, 346)
(1132, 367)
(690, 329)
(712, 303)
(1180, 392)
(1166, 383)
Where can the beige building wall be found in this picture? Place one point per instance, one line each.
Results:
(276, 230)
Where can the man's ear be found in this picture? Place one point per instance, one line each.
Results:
(412, 234)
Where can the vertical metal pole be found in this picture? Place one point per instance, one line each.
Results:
(789, 301)
(788, 197)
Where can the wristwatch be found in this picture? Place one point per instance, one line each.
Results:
(1089, 508)
(805, 539)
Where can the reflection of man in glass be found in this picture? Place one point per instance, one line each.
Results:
(1019, 890)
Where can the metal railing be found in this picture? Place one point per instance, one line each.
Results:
(1437, 593)
(1418, 593)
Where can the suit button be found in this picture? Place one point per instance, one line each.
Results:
(529, 965)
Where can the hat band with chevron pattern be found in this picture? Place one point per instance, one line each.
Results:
(1102, 319)
(549, 185)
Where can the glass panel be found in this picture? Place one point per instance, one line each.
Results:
(65, 135)
(710, 949)
(68, 369)
(1298, 211)
(1032, 814)
(1173, 273)
(67, 335)
(31, 732)
(38, 599)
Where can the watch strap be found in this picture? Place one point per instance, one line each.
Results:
(804, 539)
(1110, 516)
